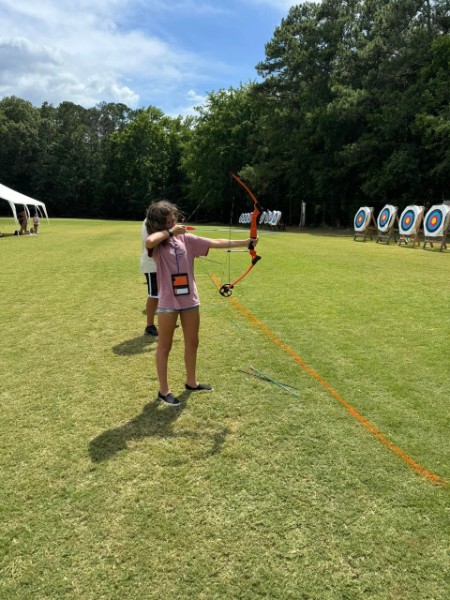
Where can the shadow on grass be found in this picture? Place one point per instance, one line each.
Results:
(136, 345)
(154, 421)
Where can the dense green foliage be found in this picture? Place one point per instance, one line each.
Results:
(106, 161)
(352, 109)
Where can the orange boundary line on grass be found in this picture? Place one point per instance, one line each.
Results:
(367, 424)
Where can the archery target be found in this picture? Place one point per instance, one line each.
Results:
(386, 218)
(410, 219)
(437, 220)
(362, 218)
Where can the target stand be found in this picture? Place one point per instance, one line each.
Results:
(364, 223)
(386, 221)
(436, 226)
(410, 225)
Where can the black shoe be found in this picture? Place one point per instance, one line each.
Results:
(151, 330)
(200, 388)
(169, 399)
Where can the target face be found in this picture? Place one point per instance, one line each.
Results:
(386, 218)
(436, 220)
(362, 218)
(410, 220)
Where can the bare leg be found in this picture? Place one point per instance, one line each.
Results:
(166, 326)
(190, 321)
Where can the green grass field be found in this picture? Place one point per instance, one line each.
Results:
(248, 492)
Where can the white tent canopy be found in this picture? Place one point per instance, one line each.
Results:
(14, 198)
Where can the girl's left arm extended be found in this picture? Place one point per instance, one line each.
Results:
(232, 243)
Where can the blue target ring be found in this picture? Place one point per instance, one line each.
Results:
(384, 217)
(434, 220)
(408, 220)
(360, 219)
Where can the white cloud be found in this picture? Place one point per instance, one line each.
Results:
(39, 72)
(193, 99)
(87, 51)
(78, 51)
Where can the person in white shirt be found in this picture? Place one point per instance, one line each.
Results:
(148, 267)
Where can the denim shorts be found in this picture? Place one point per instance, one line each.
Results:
(160, 309)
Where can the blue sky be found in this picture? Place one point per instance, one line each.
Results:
(166, 53)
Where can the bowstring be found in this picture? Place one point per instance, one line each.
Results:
(198, 206)
(223, 264)
(227, 261)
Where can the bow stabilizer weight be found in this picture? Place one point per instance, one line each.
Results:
(226, 290)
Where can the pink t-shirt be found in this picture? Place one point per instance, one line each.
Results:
(176, 256)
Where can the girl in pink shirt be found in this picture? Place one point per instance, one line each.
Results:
(174, 252)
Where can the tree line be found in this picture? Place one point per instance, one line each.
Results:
(352, 108)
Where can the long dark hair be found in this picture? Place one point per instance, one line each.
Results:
(157, 214)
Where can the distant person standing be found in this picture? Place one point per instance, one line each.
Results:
(23, 220)
(148, 267)
(36, 223)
